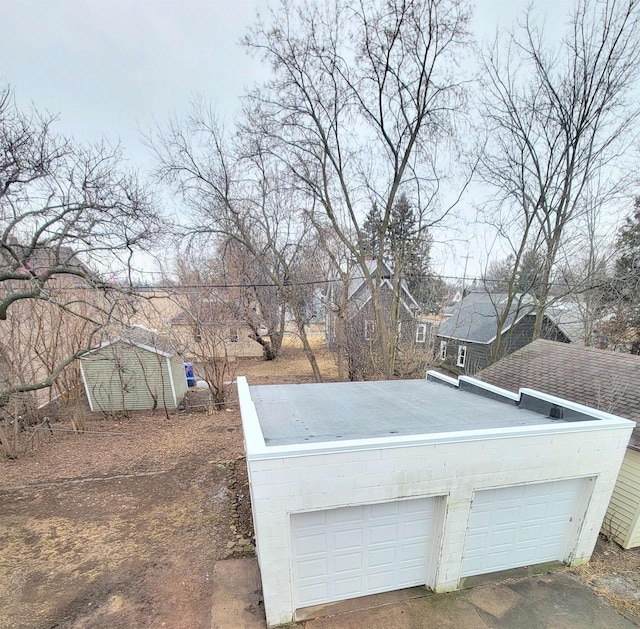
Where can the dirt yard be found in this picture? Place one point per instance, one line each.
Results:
(120, 527)
(614, 574)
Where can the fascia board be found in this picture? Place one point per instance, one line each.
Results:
(463, 436)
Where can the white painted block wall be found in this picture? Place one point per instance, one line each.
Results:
(284, 481)
(285, 485)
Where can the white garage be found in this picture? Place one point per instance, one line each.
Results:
(360, 488)
(355, 551)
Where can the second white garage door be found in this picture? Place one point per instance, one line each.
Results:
(356, 551)
(519, 526)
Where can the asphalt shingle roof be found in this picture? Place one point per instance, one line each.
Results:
(475, 317)
(609, 381)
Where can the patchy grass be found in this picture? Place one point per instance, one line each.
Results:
(292, 367)
(121, 529)
(614, 574)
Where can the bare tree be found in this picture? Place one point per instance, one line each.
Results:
(69, 218)
(556, 119)
(238, 193)
(362, 101)
(261, 303)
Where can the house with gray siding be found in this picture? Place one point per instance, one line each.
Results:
(136, 370)
(466, 337)
(360, 312)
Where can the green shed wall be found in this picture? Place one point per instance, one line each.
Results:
(125, 377)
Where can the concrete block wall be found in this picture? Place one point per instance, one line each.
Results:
(287, 482)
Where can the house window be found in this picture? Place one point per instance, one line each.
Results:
(197, 334)
(462, 355)
(233, 335)
(421, 333)
(443, 350)
(369, 329)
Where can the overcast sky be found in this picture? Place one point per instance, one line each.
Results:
(109, 69)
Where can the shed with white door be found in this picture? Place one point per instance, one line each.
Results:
(361, 488)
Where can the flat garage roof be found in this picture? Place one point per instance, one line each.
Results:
(306, 413)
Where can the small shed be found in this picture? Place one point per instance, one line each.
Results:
(137, 370)
(360, 488)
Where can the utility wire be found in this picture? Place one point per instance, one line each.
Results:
(179, 287)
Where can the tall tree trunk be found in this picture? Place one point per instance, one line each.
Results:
(341, 326)
(308, 350)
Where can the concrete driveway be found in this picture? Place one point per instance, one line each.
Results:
(543, 601)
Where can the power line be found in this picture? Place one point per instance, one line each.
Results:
(473, 279)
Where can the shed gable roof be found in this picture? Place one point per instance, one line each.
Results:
(142, 337)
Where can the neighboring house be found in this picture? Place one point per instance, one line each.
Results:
(40, 334)
(598, 378)
(360, 314)
(202, 325)
(207, 336)
(365, 487)
(465, 338)
(137, 370)
(156, 308)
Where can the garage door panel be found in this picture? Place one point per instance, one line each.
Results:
(346, 540)
(380, 581)
(311, 544)
(347, 587)
(349, 515)
(383, 509)
(311, 568)
(314, 591)
(382, 557)
(414, 529)
(312, 519)
(504, 516)
(516, 526)
(408, 552)
(346, 563)
(363, 550)
(381, 534)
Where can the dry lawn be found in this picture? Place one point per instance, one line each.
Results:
(614, 574)
(291, 367)
(119, 528)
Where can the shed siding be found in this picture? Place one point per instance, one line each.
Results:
(124, 377)
(622, 521)
(179, 378)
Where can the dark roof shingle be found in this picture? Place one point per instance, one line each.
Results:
(602, 379)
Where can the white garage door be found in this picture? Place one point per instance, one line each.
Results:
(519, 526)
(355, 551)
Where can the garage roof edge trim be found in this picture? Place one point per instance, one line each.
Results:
(257, 449)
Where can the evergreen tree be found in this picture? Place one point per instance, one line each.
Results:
(372, 233)
(528, 276)
(406, 247)
(625, 286)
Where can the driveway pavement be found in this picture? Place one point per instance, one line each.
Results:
(546, 601)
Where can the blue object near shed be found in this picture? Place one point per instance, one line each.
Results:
(188, 370)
